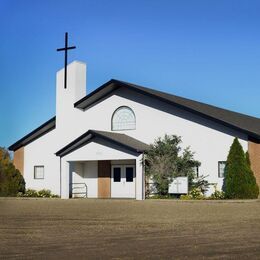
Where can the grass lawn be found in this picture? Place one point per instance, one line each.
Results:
(127, 229)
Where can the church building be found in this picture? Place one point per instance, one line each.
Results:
(95, 144)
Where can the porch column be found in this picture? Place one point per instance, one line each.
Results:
(64, 175)
(139, 178)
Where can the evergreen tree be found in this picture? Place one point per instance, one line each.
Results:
(254, 192)
(248, 159)
(239, 180)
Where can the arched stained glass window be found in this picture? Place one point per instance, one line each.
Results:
(123, 119)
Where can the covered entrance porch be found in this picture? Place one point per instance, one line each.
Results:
(102, 165)
(103, 179)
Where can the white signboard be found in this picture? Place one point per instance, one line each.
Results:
(179, 186)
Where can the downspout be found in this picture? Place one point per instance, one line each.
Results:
(143, 170)
(60, 177)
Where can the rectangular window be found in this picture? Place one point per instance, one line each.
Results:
(221, 169)
(38, 172)
(196, 171)
(129, 172)
(117, 174)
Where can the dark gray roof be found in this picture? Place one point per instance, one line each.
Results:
(248, 124)
(41, 130)
(244, 123)
(123, 140)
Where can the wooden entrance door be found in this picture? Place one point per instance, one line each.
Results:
(104, 173)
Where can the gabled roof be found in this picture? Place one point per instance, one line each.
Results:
(122, 140)
(38, 132)
(244, 123)
(247, 124)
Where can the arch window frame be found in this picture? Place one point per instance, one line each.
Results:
(113, 128)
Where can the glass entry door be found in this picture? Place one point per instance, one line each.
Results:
(123, 181)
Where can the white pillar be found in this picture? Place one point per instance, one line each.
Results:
(65, 179)
(139, 189)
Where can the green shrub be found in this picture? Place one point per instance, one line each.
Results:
(239, 180)
(201, 184)
(196, 194)
(185, 197)
(38, 194)
(217, 195)
(158, 196)
(44, 193)
(11, 180)
(20, 194)
(30, 193)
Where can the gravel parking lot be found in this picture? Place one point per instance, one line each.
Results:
(128, 229)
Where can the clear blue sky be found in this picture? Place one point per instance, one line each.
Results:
(203, 50)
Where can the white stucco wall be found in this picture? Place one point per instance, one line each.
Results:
(41, 152)
(86, 172)
(209, 140)
(99, 151)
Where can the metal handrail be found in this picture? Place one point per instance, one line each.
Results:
(85, 193)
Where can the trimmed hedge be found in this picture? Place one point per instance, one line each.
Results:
(38, 194)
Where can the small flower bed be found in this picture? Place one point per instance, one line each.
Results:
(37, 194)
(217, 195)
(157, 196)
(195, 194)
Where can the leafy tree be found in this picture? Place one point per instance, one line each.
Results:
(5, 158)
(239, 180)
(11, 180)
(166, 160)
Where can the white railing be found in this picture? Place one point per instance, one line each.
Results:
(79, 190)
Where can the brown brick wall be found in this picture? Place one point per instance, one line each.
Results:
(104, 169)
(19, 159)
(254, 154)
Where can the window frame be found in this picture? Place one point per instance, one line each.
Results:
(197, 171)
(219, 162)
(114, 115)
(133, 176)
(120, 173)
(34, 172)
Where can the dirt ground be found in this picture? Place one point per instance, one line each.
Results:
(128, 229)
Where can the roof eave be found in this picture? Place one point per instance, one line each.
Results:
(80, 103)
(66, 150)
(22, 142)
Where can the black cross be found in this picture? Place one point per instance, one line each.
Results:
(66, 48)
